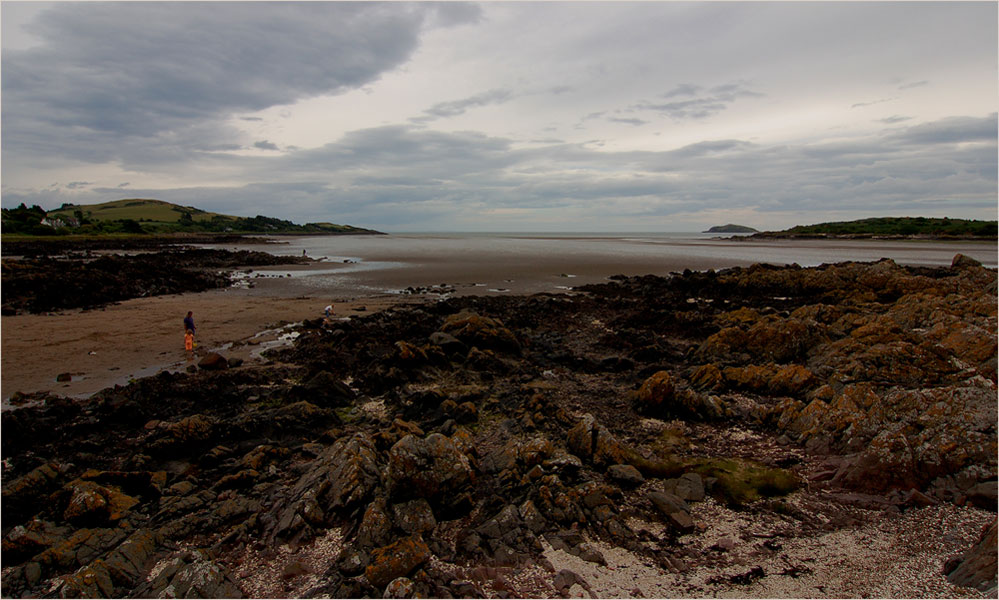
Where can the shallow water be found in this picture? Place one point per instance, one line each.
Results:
(527, 263)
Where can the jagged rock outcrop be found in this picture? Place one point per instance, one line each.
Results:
(478, 433)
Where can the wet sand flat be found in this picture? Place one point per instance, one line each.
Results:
(139, 337)
(135, 338)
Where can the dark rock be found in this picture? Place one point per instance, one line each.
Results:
(962, 261)
(625, 474)
(676, 511)
(191, 575)
(917, 499)
(741, 578)
(565, 579)
(448, 343)
(617, 364)
(401, 587)
(589, 440)
(507, 520)
(483, 332)
(353, 562)
(978, 567)
(431, 468)
(414, 516)
(588, 553)
(532, 517)
(341, 479)
(126, 563)
(984, 495)
(294, 569)
(21, 496)
(326, 390)
(466, 413)
(213, 361)
(376, 524)
(90, 503)
(398, 559)
(689, 487)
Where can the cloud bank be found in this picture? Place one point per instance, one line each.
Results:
(455, 116)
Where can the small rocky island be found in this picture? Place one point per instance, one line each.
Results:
(750, 432)
(731, 228)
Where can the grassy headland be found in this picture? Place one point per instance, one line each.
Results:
(143, 216)
(892, 227)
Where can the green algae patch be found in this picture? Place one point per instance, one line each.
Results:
(740, 482)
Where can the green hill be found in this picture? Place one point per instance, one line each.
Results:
(138, 216)
(900, 226)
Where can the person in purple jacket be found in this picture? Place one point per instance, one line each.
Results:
(189, 322)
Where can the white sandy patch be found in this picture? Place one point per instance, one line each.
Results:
(263, 574)
(900, 557)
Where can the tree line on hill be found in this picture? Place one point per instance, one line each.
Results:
(35, 220)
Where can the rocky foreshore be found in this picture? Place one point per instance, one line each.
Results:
(764, 431)
(81, 278)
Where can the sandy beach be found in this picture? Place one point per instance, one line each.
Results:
(136, 338)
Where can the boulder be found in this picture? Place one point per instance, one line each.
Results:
(401, 587)
(962, 261)
(414, 516)
(589, 440)
(32, 538)
(21, 495)
(483, 332)
(126, 564)
(688, 487)
(707, 377)
(92, 503)
(398, 559)
(984, 495)
(625, 475)
(660, 397)
(192, 429)
(886, 464)
(213, 361)
(674, 509)
(977, 568)
(431, 468)
(449, 344)
(375, 527)
(656, 394)
(326, 390)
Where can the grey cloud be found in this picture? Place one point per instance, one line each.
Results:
(75, 185)
(635, 122)
(265, 145)
(951, 131)
(410, 177)
(702, 104)
(455, 108)
(915, 84)
(147, 69)
(894, 119)
(684, 89)
(872, 103)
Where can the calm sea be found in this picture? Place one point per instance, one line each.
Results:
(532, 262)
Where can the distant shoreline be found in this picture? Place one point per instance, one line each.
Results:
(783, 235)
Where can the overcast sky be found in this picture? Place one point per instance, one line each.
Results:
(561, 116)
